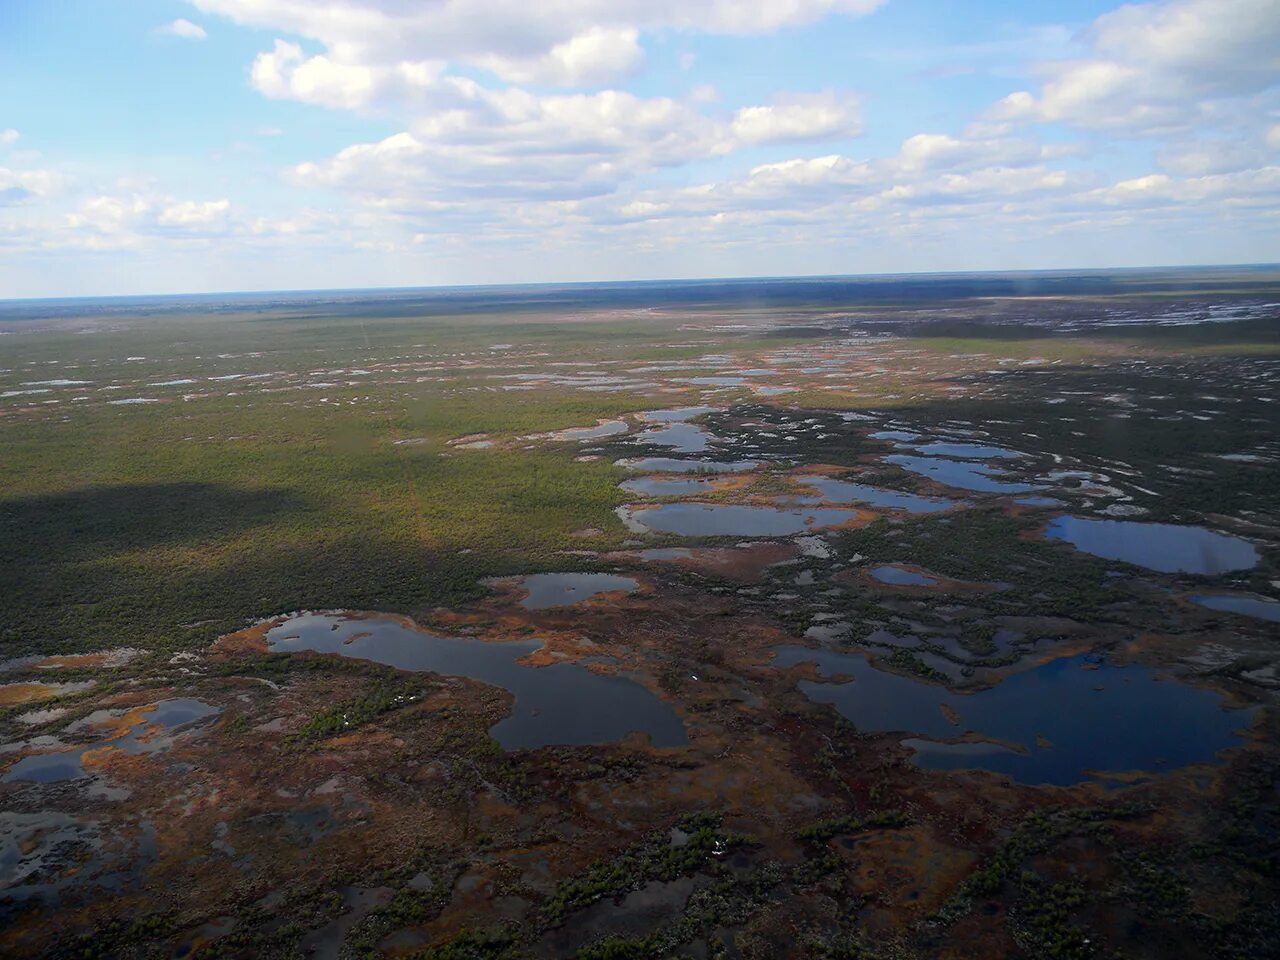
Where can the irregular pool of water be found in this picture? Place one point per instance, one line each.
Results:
(1094, 717)
(675, 465)
(965, 451)
(729, 520)
(608, 428)
(1166, 547)
(564, 703)
(677, 414)
(714, 381)
(565, 589)
(667, 486)
(899, 577)
(894, 435)
(844, 491)
(1038, 502)
(681, 437)
(978, 477)
(1258, 607)
(68, 764)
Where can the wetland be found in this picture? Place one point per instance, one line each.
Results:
(887, 618)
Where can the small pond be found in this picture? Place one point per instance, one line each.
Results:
(1257, 607)
(68, 764)
(899, 577)
(609, 428)
(844, 491)
(676, 465)
(564, 703)
(979, 477)
(677, 414)
(1166, 547)
(730, 520)
(1065, 718)
(681, 437)
(668, 486)
(965, 451)
(564, 589)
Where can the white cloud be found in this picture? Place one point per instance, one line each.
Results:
(568, 41)
(1158, 68)
(1249, 187)
(9, 137)
(595, 56)
(24, 186)
(813, 117)
(183, 29)
(193, 213)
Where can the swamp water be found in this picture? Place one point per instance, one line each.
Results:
(1061, 721)
(564, 703)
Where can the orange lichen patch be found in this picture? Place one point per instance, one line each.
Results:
(740, 563)
(14, 694)
(820, 469)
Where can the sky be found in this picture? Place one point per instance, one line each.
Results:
(169, 146)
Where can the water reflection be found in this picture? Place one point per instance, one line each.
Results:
(564, 589)
(1060, 720)
(843, 491)
(140, 738)
(564, 703)
(899, 577)
(730, 520)
(1166, 547)
(979, 477)
(675, 465)
(1256, 607)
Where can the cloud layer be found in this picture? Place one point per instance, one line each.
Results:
(527, 125)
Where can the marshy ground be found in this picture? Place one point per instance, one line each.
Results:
(925, 620)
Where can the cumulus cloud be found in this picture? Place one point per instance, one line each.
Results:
(570, 41)
(9, 137)
(813, 117)
(183, 29)
(23, 186)
(595, 56)
(1157, 68)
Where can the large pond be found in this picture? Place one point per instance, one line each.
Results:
(844, 491)
(1062, 721)
(1166, 547)
(564, 703)
(563, 589)
(730, 520)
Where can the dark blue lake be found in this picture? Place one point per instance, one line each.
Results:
(1071, 717)
(1166, 547)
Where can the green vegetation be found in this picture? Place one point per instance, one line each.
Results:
(656, 858)
(351, 714)
(821, 832)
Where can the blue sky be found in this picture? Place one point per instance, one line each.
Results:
(173, 146)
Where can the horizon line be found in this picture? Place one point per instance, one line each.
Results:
(514, 285)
